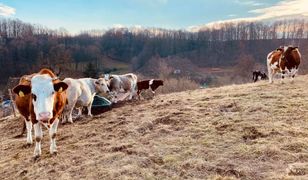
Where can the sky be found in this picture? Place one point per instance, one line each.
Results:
(79, 15)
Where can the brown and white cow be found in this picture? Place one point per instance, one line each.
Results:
(285, 60)
(126, 83)
(152, 84)
(40, 98)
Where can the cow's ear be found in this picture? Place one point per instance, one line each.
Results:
(60, 86)
(22, 90)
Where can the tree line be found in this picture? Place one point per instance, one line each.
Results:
(25, 47)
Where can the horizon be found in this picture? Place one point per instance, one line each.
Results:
(166, 14)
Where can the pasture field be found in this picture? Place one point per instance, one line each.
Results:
(249, 131)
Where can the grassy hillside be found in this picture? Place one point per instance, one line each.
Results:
(251, 131)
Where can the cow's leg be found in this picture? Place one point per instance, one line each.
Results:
(271, 73)
(89, 110)
(38, 133)
(52, 134)
(29, 131)
(114, 97)
(79, 111)
(283, 74)
(64, 115)
(70, 111)
(293, 73)
(89, 107)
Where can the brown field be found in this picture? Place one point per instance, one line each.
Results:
(251, 131)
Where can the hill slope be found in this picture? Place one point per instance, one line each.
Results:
(251, 131)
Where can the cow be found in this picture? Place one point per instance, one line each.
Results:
(258, 75)
(81, 93)
(126, 83)
(285, 60)
(40, 99)
(152, 84)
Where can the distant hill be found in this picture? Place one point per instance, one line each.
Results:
(25, 48)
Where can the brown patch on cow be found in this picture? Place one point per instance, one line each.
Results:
(38, 139)
(275, 56)
(53, 135)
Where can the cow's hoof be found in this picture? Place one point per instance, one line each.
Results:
(27, 145)
(54, 153)
(19, 136)
(36, 158)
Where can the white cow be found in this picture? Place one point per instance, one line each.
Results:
(80, 93)
(126, 83)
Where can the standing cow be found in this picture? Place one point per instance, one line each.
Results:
(285, 60)
(81, 93)
(258, 75)
(126, 83)
(152, 84)
(41, 97)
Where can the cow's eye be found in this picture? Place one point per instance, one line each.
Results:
(96, 82)
(53, 93)
(34, 97)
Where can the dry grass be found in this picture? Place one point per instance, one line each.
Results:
(177, 85)
(252, 131)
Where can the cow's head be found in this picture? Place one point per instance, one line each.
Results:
(42, 91)
(160, 82)
(281, 49)
(102, 85)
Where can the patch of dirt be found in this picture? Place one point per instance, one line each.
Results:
(251, 133)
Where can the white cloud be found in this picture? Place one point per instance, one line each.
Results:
(249, 3)
(6, 10)
(152, 2)
(283, 9)
(232, 15)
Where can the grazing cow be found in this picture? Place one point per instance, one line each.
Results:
(41, 97)
(152, 84)
(81, 93)
(257, 75)
(285, 60)
(126, 83)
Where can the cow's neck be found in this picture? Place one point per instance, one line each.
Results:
(92, 86)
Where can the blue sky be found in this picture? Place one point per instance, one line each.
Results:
(76, 15)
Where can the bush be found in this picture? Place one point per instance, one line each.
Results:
(177, 85)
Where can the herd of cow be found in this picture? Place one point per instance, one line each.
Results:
(42, 98)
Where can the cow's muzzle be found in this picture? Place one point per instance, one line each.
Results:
(44, 116)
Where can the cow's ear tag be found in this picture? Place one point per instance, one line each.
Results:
(21, 94)
(60, 90)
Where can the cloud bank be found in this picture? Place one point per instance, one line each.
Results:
(283, 9)
(6, 10)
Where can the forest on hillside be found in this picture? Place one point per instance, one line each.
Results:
(24, 47)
